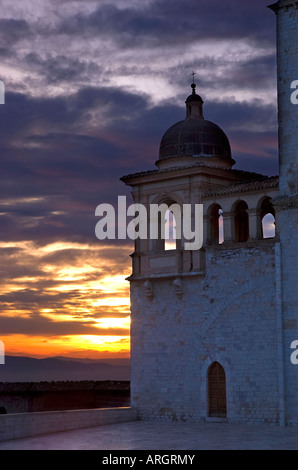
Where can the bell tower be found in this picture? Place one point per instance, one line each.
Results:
(286, 205)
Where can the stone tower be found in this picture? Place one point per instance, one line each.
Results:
(211, 328)
(286, 204)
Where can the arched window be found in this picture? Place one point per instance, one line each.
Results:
(215, 224)
(165, 227)
(217, 391)
(267, 214)
(268, 226)
(220, 227)
(241, 222)
(170, 242)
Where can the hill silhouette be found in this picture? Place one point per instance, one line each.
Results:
(29, 369)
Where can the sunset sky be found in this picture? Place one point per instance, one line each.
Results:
(91, 86)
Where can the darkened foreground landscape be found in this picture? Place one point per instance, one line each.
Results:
(22, 397)
(28, 369)
(51, 384)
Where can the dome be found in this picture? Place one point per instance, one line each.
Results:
(195, 137)
(194, 97)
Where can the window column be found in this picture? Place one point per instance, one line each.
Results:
(228, 226)
(255, 226)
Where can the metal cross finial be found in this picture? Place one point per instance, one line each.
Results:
(193, 85)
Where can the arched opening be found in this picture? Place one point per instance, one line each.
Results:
(268, 226)
(216, 235)
(241, 222)
(217, 391)
(165, 226)
(220, 227)
(267, 214)
(170, 242)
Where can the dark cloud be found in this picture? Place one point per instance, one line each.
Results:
(12, 31)
(257, 73)
(63, 153)
(37, 325)
(212, 19)
(176, 22)
(5, 52)
(128, 26)
(61, 68)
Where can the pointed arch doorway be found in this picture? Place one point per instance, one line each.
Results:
(217, 391)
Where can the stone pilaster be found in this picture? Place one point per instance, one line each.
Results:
(286, 206)
(287, 72)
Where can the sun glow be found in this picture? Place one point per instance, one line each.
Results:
(60, 287)
(114, 322)
(91, 346)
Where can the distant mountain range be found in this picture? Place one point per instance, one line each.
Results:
(29, 369)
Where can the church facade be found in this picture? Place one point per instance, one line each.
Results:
(211, 329)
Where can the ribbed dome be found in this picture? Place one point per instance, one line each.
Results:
(195, 137)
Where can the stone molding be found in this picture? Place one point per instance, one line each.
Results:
(268, 183)
(128, 179)
(285, 203)
(283, 4)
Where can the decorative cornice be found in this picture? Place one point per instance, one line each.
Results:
(285, 203)
(166, 276)
(267, 183)
(283, 4)
(177, 169)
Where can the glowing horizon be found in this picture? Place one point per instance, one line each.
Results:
(79, 295)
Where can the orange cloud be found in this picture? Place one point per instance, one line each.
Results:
(64, 297)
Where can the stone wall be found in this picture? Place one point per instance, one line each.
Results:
(20, 425)
(227, 315)
(288, 221)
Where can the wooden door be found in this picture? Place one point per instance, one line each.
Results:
(217, 391)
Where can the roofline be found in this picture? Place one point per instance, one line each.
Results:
(127, 179)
